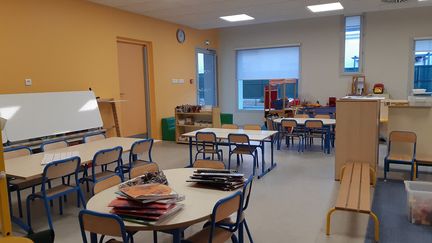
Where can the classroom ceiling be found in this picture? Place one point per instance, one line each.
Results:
(204, 14)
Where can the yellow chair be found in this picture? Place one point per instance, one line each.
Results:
(94, 137)
(16, 184)
(106, 183)
(48, 146)
(406, 139)
(104, 225)
(230, 126)
(143, 169)
(252, 127)
(301, 116)
(209, 164)
(218, 231)
(322, 116)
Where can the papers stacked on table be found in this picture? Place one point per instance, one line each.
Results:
(48, 158)
(226, 180)
(146, 203)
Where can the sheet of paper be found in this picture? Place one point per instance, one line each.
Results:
(48, 158)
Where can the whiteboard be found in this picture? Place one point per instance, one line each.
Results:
(34, 115)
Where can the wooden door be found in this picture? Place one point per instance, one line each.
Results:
(132, 89)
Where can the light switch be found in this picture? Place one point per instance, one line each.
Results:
(28, 82)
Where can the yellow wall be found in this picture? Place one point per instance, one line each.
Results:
(65, 45)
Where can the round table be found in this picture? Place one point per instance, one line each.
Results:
(198, 203)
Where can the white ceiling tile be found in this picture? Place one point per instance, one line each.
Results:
(204, 14)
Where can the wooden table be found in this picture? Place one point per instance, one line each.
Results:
(198, 204)
(261, 136)
(28, 167)
(301, 122)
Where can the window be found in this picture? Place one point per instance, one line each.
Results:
(352, 48)
(206, 76)
(255, 67)
(423, 64)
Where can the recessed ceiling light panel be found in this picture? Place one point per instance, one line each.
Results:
(325, 7)
(237, 18)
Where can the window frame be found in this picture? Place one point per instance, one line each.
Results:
(361, 51)
(237, 104)
(213, 52)
(411, 69)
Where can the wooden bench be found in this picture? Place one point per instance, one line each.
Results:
(354, 192)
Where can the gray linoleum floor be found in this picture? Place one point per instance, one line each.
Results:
(288, 205)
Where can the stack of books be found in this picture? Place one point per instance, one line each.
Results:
(146, 203)
(226, 180)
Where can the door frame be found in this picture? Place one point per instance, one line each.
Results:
(211, 52)
(148, 81)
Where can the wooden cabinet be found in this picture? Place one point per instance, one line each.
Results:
(357, 132)
(191, 121)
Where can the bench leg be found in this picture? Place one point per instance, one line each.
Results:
(375, 218)
(330, 212)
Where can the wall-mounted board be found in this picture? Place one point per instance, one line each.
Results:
(35, 115)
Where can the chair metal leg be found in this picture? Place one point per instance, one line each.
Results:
(29, 198)
(330, 212)
(234, 239)
(241, 232)
(81, 197)
(18, 192)
(377, 230)
(155, 237)
(229, 161)
(60, 205)
(248, 231)
(48, 212)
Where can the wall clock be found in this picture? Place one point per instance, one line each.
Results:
(181, 36)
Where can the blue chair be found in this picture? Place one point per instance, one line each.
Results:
(137, 155)
(408, 141)
(217, 228)
(102, 159)
(55, 170)
(17, 184)
(239, 144)
(51, 145)
(247, 189)
(104, 225)
(91, 137)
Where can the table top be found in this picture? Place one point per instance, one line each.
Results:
(301, 121)
(28, 167)
(12, 239)
(222, 133)
(198, 203)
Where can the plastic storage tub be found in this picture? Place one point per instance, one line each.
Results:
(420, 100)
(419, 201)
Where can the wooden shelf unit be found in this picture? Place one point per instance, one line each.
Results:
(211, 117)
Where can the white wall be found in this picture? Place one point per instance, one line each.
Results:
(387, 54)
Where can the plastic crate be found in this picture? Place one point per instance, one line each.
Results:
(419, 202)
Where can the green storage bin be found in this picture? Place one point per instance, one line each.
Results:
(226, 118)
(168, 129)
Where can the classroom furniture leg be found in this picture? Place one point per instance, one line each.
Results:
(190, 152)
(376, 221)
(328, 224)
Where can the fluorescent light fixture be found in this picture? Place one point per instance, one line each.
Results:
(237, 18)
(325, 7)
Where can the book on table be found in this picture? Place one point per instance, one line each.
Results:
(145, 203)
(226, 180)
